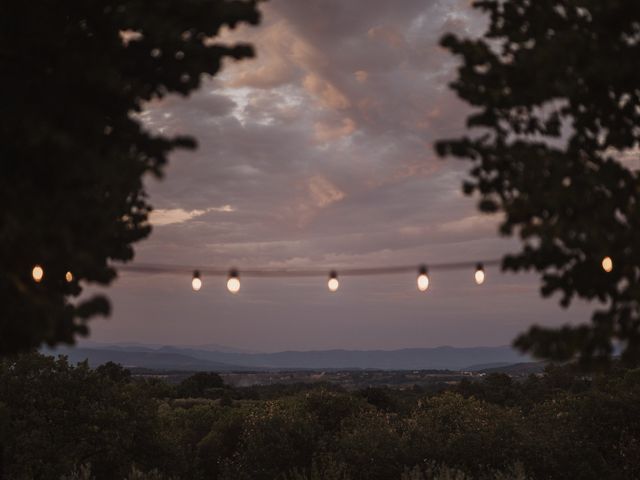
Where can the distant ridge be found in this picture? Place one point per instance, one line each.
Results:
(190, 358)
(137, 346)
(143, 359)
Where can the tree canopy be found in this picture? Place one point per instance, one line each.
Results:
(73, 155)
(59, 421)
(555, 85)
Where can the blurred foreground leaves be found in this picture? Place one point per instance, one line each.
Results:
(72, 153)
(555, 85)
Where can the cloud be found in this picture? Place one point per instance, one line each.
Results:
(326, 131)
(339, 109)
(327, 93)
(323, 192)
(361, 76)
(390, 35)
(161, 217)
(471, 224)
(273, 67)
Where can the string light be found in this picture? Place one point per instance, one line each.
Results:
(37, 273)
(196, 281)
(258, 272)
(479, 275)
(233, 279)
(333, 282)
(233, 282)
(423, 278)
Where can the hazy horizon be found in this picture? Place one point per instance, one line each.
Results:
(88, 343)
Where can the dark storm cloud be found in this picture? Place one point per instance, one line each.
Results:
(319, 153)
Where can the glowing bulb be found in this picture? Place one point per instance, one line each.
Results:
(333, 282)
(423, 282)
(233, 283)
(37, 273)
(607, 264)
(479, 274)
(68, 277)
(196, 281)
(423, 279)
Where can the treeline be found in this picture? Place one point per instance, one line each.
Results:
(59, 421)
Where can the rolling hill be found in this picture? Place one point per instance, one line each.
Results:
(190, 358)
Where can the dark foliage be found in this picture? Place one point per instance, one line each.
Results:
(381, 398)
(59, 421)
(200, 384)
(57, 417)
(555, 84)
(73, 155)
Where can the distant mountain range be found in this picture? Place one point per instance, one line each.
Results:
(137, 346)
(206, 358)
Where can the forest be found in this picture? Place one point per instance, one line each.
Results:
(71, 422)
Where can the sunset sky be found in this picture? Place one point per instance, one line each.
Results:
(319, 153)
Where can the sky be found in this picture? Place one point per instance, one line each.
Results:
(319, 154)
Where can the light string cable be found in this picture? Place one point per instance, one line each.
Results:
(333, 283)
(267, 272)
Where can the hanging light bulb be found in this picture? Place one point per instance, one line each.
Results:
(423, 278)
(196, 281)
(607, 264)
(68, 277)
(233, 282)
(333, 282)
(479, 276)
(37, 273)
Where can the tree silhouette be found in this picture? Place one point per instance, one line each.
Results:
(556, 90)
(72, 156)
